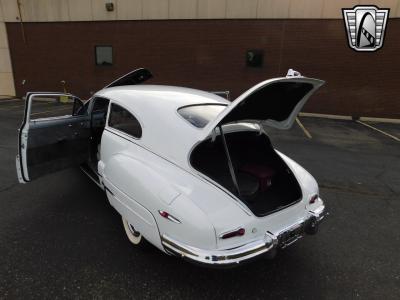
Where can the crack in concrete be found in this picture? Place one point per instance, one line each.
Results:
(7, 188)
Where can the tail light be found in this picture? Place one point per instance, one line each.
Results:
(230, 234)
(313, 199)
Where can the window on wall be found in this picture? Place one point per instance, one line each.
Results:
(123, 120)
(104, 55)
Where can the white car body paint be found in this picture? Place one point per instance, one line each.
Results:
(156, 173)
(153, 173)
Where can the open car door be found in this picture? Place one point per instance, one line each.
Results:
(54, 135)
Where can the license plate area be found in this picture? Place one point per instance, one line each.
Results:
(291, 235)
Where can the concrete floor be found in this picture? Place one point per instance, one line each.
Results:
(60, 238)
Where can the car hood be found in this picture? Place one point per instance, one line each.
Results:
(275, 102)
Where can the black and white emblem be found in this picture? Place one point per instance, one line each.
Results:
(365, 26)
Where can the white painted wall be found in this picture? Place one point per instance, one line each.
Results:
(94, 10)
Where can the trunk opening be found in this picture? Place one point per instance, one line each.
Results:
(265, 183)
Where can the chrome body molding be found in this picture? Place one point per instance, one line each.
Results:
(234, 256)
(219, 257)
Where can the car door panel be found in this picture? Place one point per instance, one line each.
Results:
(51, 144)
(56, 144)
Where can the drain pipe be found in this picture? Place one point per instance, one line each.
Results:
(21, 21)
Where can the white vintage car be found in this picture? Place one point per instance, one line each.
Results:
(189, 171)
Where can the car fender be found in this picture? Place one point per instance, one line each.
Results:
(194, 227)
(135, 213)
(307, 182)
(140, 191)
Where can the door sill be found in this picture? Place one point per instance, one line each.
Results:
(91, 174)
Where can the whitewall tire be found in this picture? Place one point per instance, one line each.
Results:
(135, 237)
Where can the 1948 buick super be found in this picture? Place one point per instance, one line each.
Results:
(189, 171)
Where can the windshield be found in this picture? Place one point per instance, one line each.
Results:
(200, 115)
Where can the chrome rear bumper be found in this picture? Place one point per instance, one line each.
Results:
(230, 257)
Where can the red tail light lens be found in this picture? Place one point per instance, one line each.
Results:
(163, 214)
(166, 215)
(313, 199)
(238, 232)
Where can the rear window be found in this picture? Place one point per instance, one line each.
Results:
(200, 115)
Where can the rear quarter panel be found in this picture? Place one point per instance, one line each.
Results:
(144, 183)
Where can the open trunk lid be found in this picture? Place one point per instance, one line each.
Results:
(274, 102)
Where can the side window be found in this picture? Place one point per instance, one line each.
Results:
(100, 104)
(99, 113)
(80, 107)
(123, 120)
(48, 105)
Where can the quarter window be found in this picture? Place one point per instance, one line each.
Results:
(199, 115)
(123, 120)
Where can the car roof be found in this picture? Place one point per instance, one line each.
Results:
(165, 132)
(161, 95)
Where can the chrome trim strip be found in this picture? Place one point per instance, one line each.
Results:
(91, 178)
